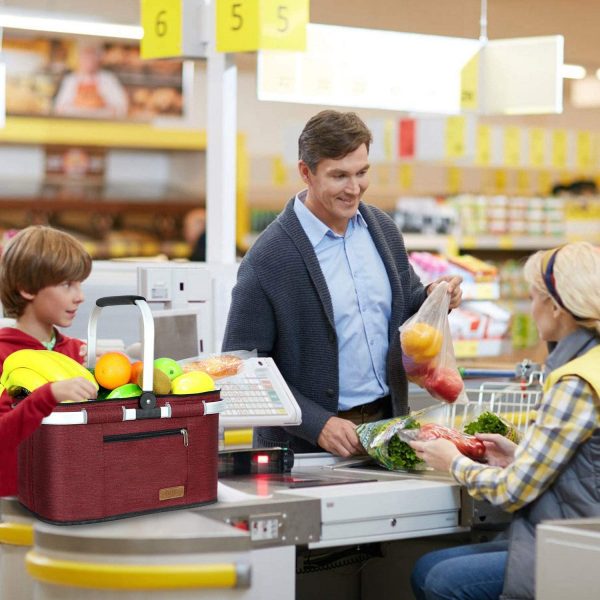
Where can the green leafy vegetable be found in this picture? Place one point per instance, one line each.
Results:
(394, 454)
(487, 423)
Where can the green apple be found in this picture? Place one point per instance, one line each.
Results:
(127, 390)
(194, 382)
(171, 368)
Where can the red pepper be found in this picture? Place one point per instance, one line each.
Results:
(444, 384)
(466, 444)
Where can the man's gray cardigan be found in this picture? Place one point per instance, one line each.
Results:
(281, 307)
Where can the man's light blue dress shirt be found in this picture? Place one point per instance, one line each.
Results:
(361, 296)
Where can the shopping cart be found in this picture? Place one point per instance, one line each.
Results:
(515, 402)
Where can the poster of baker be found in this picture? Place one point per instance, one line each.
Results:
(89, 79)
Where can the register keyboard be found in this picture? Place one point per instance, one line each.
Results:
(258, 396)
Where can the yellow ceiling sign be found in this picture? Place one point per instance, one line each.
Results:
(250, 25)
(161, 21)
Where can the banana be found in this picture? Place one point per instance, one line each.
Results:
(71, 367)
(53, 366)
(23, 378)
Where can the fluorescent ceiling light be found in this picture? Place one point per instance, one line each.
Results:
(11, 18)
(573, 72)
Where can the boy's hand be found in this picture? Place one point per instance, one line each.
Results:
(77, 389)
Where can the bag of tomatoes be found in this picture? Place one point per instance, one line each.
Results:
(427, 350)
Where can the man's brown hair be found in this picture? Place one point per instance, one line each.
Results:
(331, 134)
(35, 258)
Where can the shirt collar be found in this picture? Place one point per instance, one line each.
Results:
(570, 347)
(314, 228)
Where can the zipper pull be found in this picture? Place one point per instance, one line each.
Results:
(186, 440)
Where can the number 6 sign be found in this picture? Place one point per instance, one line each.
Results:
(249, 25)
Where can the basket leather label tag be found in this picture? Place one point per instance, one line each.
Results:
(171, 492)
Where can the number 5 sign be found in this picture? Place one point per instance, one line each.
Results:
(249, 25)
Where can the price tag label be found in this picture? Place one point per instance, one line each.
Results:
(559, 148)
(537, 147)
(466, 348)
(405, 176)
(483, 145)
(454, 176)
(455, 137)
(512, 146)
(249, 25)
(584, 149)
(161, 21)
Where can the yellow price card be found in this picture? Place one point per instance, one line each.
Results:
(161, 21)
(483, 145)
(455, 137)
(405, 176)
(454, 176)
(249, 25)
(559, 148)
(512, 146)
(537, 147)
(584, 149)
(523, 183)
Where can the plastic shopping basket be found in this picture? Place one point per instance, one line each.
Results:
(107, 459)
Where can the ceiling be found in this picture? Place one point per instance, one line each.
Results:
(577, 20)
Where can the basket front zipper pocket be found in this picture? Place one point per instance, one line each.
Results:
(145, 470)
(143, 435)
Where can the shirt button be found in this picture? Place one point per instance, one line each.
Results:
(330, 393)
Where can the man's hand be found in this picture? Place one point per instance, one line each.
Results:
(339, 437)
(438, 453)
(454, 290)
(77, 389)
(499, 451)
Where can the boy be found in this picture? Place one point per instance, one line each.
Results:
(41, 270)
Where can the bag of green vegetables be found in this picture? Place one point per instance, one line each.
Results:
(381, 442)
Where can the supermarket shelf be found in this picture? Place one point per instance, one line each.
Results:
(80, 132)
(508, 242)
(481, 290)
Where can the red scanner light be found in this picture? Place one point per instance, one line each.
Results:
(262, 459)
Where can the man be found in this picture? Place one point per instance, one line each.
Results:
(323, 292)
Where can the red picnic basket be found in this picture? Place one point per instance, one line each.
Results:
(107, 459)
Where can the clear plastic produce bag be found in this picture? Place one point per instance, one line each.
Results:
(382, 443)
(427, 350)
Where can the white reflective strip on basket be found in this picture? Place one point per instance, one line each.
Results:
(129, 414)
(213, 408)
(66, 418)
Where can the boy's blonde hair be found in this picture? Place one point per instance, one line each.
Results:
(569, 275)
(35, 258)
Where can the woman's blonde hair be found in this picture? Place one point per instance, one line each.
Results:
(570, 275)
(35, 258)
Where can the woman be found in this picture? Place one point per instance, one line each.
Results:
(554, 473)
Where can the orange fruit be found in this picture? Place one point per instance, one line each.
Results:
(113, 369)
(136, 370)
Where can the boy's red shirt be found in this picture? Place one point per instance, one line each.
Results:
(18, 423)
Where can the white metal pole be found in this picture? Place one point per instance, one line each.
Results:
(221, 151)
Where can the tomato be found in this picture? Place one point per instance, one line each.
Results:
(444, 384)
(466, 444)
(421, 341)
(416, 371)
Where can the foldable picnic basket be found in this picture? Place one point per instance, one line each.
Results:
(108, 459)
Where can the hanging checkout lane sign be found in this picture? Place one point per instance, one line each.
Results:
(250, 25)
(175, 28)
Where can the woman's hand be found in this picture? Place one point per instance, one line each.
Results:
(77, 389)
(438, 453)
(453, 288)
(499, 451)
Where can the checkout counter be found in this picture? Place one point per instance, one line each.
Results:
(246, 546)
